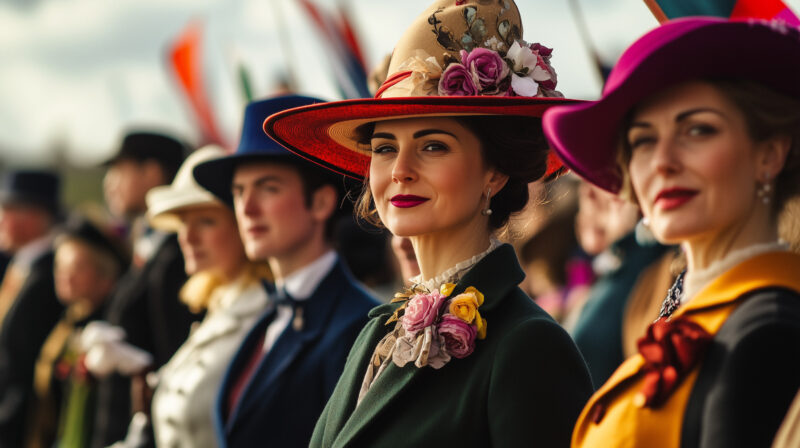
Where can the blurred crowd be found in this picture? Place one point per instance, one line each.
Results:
(214, 298)
(94, 312)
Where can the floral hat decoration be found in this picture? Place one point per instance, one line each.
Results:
(460, 57)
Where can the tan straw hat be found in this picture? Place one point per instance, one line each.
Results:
(459, 57)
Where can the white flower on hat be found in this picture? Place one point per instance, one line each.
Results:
(524, 86)
(522, 81)
(532, 75)
(523, 58)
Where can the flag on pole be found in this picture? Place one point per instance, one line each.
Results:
(344, 52)
(186, 64)
(734, 9)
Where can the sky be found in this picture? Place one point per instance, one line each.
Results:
(76, 74)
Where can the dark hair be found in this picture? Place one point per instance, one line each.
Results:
(514, 145)
(313, 178)
(767, 113)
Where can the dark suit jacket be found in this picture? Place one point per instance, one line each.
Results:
(146, 305)
(750, 375)
(524, 385)
(27, 324)
(598, 331)
(292, 383)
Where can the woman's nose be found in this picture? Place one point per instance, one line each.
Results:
(404, 168)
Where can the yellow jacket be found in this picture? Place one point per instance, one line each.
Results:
(615, 415)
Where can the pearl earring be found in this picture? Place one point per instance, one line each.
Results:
(643, 234)
(763, 191)
(487, 211)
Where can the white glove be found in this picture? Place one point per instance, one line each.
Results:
(107, 352)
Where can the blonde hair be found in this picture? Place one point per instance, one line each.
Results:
(198, 291)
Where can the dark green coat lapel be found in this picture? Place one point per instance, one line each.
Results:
(495, 276)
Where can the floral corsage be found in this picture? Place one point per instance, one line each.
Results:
(434, 327)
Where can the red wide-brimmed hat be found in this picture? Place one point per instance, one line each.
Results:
(586, 136)
(459, 58)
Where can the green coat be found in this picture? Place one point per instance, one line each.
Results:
(524, 385)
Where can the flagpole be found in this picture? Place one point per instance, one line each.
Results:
(656, 10)
(283, 40)
(583, 32)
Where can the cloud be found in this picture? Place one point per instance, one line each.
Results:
(82, 71)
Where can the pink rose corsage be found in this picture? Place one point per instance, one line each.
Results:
(437, 327)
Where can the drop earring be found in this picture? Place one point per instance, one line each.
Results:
(487, 211)
(763, 191)
(643, 234)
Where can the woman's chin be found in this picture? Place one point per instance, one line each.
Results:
(673, 235)
(405, 229)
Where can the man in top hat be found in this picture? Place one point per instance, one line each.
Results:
(29, 208)
(287, 367)
(145, 303)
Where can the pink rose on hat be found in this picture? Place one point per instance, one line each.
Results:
(487, 66)
(458, 80)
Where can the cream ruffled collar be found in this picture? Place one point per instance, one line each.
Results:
(453, 274)
(699, 279)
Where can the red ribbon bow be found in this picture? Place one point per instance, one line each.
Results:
(671, 348)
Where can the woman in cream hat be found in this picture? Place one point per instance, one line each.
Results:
(222, 282)
(709, 146)
(448, 147)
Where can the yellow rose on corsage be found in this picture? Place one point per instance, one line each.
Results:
(465, 307)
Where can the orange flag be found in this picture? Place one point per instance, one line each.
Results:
(185, 59)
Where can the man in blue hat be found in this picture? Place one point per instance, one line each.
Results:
(145, 303)
(29, 209)
(287, 367)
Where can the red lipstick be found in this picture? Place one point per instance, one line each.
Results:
(670, 198)
(407, 200)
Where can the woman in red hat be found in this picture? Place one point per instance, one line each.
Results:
(449, 145)
(700, 123)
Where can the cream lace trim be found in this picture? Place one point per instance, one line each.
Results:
(695, 281)
(453, 274)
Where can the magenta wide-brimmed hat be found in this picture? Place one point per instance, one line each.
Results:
(585, 135)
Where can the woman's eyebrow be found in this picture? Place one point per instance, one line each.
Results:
(385, 135)
(684, 115)
(425, 132)
(417, 134)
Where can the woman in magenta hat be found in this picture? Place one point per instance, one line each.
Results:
(448, 146)
(700, 123)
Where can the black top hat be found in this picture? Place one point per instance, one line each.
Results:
(80, 228)
(141, 146)
(32, 187)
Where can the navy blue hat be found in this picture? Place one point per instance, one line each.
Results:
(140, 146)
(32, 187)
(216, 175)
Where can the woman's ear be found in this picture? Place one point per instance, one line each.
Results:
(497, 181)
(772, 157)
